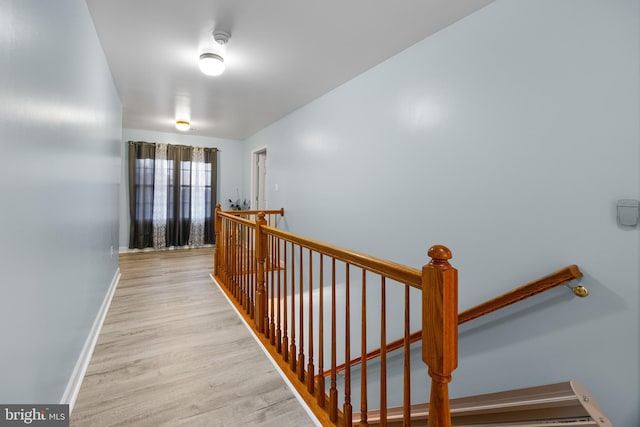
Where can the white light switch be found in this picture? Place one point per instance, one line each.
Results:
(276, 187)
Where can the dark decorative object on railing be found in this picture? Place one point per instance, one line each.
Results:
(239, 205)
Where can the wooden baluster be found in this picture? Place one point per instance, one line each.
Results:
(301, 323)
(333, 390)
(292, 347)
(310, 367)
(229, 256)
(383, 352)
(271, 297)
(261, 260)
(241, 268)
(222, 248)
(363, 352)
(440, 330)
(246, 279)
(267, 284)
(234, 259)
(406, 415)
(245, 270)
(246, 267)
(235, 264)
(346, 408)
(253, 271)
(245, 285)
(223, 253)
(252, 264)
(230, 259)
(320, 394)
(278, 300)
(237, 277)
(226, 233)
(285, 313)
(217, 230)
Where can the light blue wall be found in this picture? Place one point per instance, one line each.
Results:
(509, 137)
(60, 132)
(230, 168)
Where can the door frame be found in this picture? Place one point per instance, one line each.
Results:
(254, 172)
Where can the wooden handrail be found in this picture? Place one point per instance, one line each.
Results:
(530, 289)
(235, 218)
(391, 270)
(256, 212)
(560, 277)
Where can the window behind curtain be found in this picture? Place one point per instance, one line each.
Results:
(144, 189)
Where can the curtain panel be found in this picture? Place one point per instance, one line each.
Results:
(210, 194)
(179, 195)
(196, 232)
(161, 168)
(171, 195)
(141, 177)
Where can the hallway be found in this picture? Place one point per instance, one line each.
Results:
(173, 352)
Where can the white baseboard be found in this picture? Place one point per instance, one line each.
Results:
(73, 386)
(313, 417)
(126, 250)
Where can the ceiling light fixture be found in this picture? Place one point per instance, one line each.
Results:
(183, 125)
(212, 61)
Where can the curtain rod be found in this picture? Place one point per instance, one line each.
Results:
(176, 145)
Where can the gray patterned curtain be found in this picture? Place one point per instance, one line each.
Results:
(160, 197)
(210, 195)
(178, 195)
(141, 176)
(196, 233)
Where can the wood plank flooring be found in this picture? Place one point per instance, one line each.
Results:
(172, 352)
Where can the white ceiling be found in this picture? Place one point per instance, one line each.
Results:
(282, 54)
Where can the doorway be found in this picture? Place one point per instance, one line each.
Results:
(259, 179)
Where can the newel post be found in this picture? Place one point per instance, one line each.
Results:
(440, 330)
(261, 258)
(217, 247)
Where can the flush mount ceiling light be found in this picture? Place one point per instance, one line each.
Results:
(183, 125)
(212, 61)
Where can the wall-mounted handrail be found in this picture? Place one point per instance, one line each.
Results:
(560, 277)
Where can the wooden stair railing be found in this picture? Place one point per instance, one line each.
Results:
(278, 281)
(560, 277)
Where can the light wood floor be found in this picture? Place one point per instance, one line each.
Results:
(173, 352)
